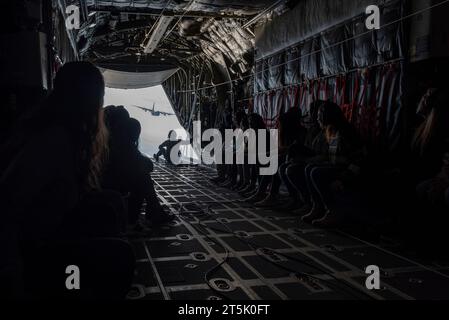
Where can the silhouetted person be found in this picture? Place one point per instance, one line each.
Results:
(298, 157)
(243, 170)
(431, 140)
(129, 171)
(290, 131)
(332, 171)
(226, 123)
(52, 210)
(166, 148)
(430, 165)
(251, 171)
(231, 170)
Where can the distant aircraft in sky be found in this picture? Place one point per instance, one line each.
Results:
(154, 113)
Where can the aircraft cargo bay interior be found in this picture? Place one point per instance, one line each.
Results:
(221, 150)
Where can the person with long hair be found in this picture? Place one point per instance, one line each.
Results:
(430, 158)
(51, 170)
(431, 139)
(329, 173)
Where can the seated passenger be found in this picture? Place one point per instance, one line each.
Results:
(297, 159)
(431, 160)
(255, 122)
(221, 168)
(232, 174)
(166, 147)
(129, 171)
(431, 140)
(243, 169)
(290, 131)
(331, 172)
(50, 209)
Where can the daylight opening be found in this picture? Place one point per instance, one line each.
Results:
(155, 113)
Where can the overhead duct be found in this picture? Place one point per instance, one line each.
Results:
(135, 80)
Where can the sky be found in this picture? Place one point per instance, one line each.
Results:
(154, 129)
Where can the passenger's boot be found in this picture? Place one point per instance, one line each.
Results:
(225, 183)
(249, 194)
(247, 189)
(155, 215)
(330, 220)
(258, 196)
(304, 210)
(162, 219)
(236, 186)
(315, 214)
(269, 202)
(292, 204)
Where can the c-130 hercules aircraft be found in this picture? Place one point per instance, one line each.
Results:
(154, 113)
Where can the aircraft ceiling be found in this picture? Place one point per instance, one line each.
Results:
(155, 35)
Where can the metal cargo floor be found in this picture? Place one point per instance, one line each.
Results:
(303, 262)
